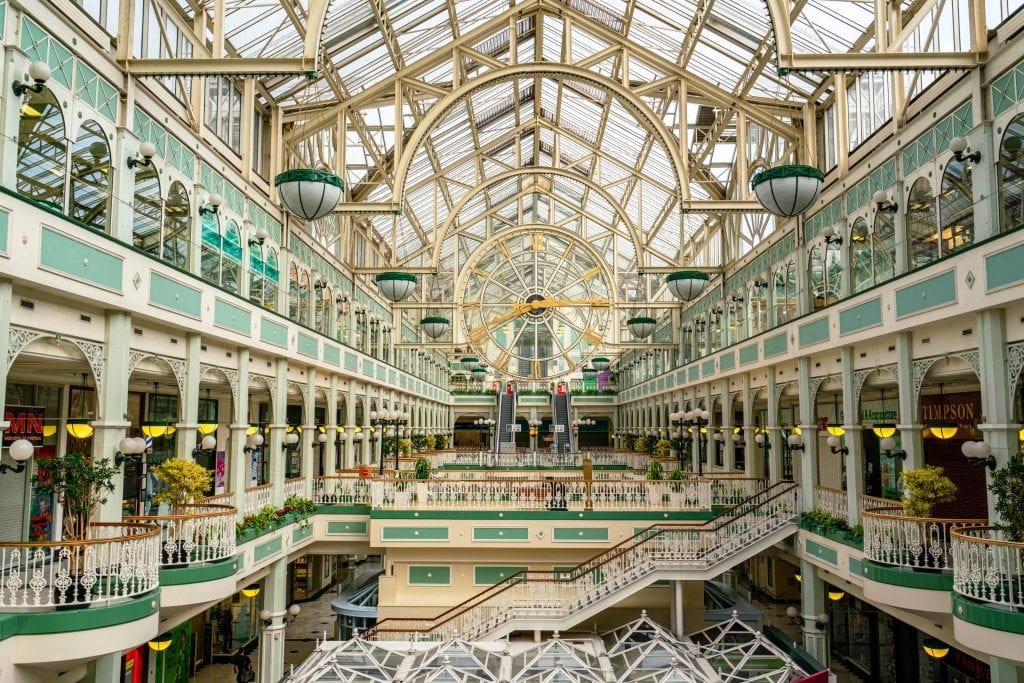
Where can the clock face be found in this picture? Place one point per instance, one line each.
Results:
(535, 304)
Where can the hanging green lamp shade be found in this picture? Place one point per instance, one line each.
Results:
(787, 190)
(600, 363)
(589, 373)
(641, 327)
(469, 363)
(309, 193)
(479, 373)
(435, 326)
(687, 285)
(396, 286)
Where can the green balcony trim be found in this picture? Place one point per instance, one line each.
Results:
(908, 578)
(210, 571)
(67, 621)
(541, 515)
(985, 615)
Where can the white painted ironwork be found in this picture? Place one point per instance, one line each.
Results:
(832, 501)
(987, 567)
(341, 491)
(256, 498)
(892, 538)
(295, 487)
(197, 533)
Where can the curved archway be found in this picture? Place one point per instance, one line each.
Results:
(1011, 175)
(177, 226)
(922, 225)
(147, 212)
(42, 149)
(956, 207)
(89, 200)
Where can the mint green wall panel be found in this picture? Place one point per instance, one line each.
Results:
(501, 533)
(392, 376)
(232, 317)
(813, 332)
(707, 368)
(4, 216)
(79, 260)
(351, 362)
(935, 291)
(430, 575)
(382, 372)
(694, 373)
(308, 346)
(273, 333)
(1005, 267)
(169, 293)
(414, 533)
(267, 549)
(856, 566)
(367, 368)
(332, 354)
(748, 354)
(867, 314)
(821, 551)
(773, 346)
(342, 528)
(301, 533)
(580, 534)
(727, 361)
(490, 575)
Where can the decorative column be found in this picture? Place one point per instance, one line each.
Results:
(275, 448)
(997, 373)
(812, 604)
(240, 462)
(751, 464)
(6, 290)
(330, 449)
(272, 635)
(677, 610)
(349, 457)
(310, 433)
(809, 432)
(111, 402)
(774, 437)
(853, 440)
(911, 439)
(189, 410)
(728, 445)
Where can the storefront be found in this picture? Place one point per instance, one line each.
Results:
(311, 575)
(231, 624)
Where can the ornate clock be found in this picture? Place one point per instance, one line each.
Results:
(535, 302)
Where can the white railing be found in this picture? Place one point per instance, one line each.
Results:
(220, 499)
(257, 498)
(557, 596)
(892, 538)
(117, 561)
(295, 487)
(734, 490)
(341, 491)
(833, 501)
(529, 460)
(987, 567)
(542, 494)
(201, 532)
(865, 502)
(471, 475)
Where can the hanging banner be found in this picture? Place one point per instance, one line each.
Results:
(220, 472)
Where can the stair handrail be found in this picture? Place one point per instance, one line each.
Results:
(644, 536)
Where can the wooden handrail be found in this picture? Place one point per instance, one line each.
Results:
(887, 513)
(637, 539)
(257, 488)
(965, 534)
(220, 511)
(146, 531)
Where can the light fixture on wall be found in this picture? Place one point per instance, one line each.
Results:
(39, 73)
(21, 451)
(820, 620)
(794, 441)
(882, 203)
(831, 236)
(253, 441)
(259, 236)
(833, 445)
(888, 444)
(267, 617)
(206, 445)
(129, 449)
(144, 157)
(959, 146)
(212, 205)
(935, 648)
(251, 591)
(979, 454)
(290, 442)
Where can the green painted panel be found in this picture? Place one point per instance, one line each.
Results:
(707, 368)
(856, 566)
(382, 372)
(414, 533)
(580, 534)
(650, 517)
(79, 260)
(981, 614)
(813, 332)
(39, 623)
(302, 532)
(867, 314)
(267, 549)
(430, 575)
(332, 354)
(501, 533)
(822, 552)
(908, 578)
(773, 346)
(727, 361)
(198, 573)
(1001, 269)
(367, 368)
(233, 317)
(5, 217)
(694, 373)
(935, 291)
(748, 354)
(351, 362)
(342, 528)
(273, 333)
(486, 576)
(308, 346)
(169, 293)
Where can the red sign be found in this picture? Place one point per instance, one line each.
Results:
(26, 422)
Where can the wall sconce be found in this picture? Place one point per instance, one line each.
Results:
(208, 443)
(882, 203)
(39, 72)
(761, 284)
(267, 617)
(795, 442)
(819, 621)
(833, 444)
(129, 449)
(147, 150)
(251, 591)
(737, 298)
(888, 444)
(318, 286)
(762, 442)
(252, 442)
(979, 454)
(212, 205)
(830, 235)
(259, 237)
(291, 441)
(958, 146)
(20, 450)
(935, 648)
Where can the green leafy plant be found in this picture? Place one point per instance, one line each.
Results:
(1008, 487)
(79, 484)
(184, 482)
(679, 444)
(648, 443)
(419, 442)
(422, 468)
(823, 520)
(856, 533)
(303, 506)
(655, 470)
(267, 517)
(441, 442)
(431, 442)
(924, 488)
(406, 446)
(629, 441)
(663, 448)
(678, 475)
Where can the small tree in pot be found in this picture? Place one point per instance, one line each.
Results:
(184, 482)
(924, 488)
(1008, 487)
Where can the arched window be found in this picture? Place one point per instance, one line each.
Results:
(757, 297)
(816, 278)
(271, 278)
(956, 207)
(90, 176)
(714, 330)
(293, 292)
(177, 228)
(304, 298)
(323, 310)
(147, 210)
(341, 320)
(42, 149)
(884, 246)
(784, 306)
(861, 258)
(231, 264)
(922, 230)
(687, 342)
(1011, 175)
(211, 246)
(833, 272)
(737, 319)
(256, 275)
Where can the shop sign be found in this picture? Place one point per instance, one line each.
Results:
(966, 664)
(963, 409)
(26, 422)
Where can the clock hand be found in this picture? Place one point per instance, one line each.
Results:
(558, 303)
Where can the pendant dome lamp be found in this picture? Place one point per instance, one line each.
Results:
(309, 193)
(788, 190)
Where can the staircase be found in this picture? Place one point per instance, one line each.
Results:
(550, 601)
(560, 422)
(505, 438)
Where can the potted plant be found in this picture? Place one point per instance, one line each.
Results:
(441, 442)
(1008, 487)
(184, 482)
(655, 470)
(79, 485)
(422, 466)
(663, 448)
(431, 442)
(924, 488)
(629, 441)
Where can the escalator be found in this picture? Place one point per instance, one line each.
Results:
(560, 421)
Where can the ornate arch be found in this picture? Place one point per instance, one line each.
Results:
(94, 352)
